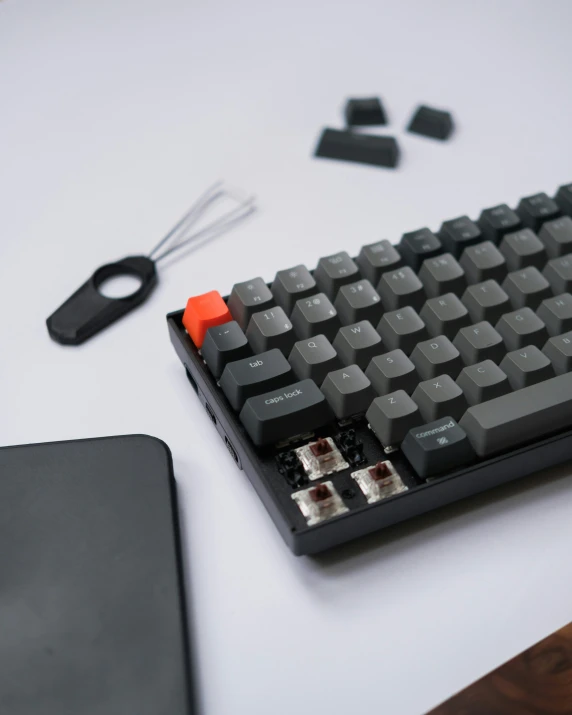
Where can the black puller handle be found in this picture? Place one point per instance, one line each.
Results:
(87, 311)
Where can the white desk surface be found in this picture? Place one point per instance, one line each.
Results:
(114, 116)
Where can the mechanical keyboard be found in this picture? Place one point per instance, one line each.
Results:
(373, 389)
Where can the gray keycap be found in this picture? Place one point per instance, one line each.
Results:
(358, 343)
(483, 381)
(248, 298)
(483, 262)
(440, 397)
(335, 271)
(442, 274)
(392, 416)
(401, 288)
(292, 284)
(314, 359)
(479, 342)
(556, 235)
(377, 258)
(526, 366)
(348, 391)
(486, 301)
(402, 329)
(315, 316)
(526, 288)
(437, 356)
(437, 448)
(523, 248)
(522, 327)
(250, 376)
(520, 417)
(459, 233)
(392, 371)
(535, 210)
(559, 351)
(445, 315)
(358, 301)
(556, 313)
(271, 329)
(497, 221)
(223, 344)
(558, 272)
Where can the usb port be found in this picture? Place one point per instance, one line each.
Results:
(211, 414)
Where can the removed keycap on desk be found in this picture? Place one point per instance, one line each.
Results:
(359, 148)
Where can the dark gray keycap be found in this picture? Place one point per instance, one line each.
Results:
(483, 262)
(564, 199)
(535, 210)
(520, 417)
(526, 288)
(497, 221)
(437, 448)
(442, 274)
(358, 343)
(523, 248)
(559, 351)
(315, 316)
(440, 397)
(286, 412)
(558, 272)
(377, 258)
(416, 246)
(250, 376)
(556, 235)
(292, 284)
(526, 366)
(314, 358)
(459, 233)
(483, 381)
(401, 288)
(392, 371)
(522, 327)
(348, 391)
(224, 344)
(479, 342)
(402, 329)
(556, 313)
(358, 301)
(392, 416)
(271, 329)
(445, 315)
(248, 298)
(335, 271)
(486, 301)
(436, 356)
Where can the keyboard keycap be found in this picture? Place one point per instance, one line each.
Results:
(483, 381)
(440, 397)
(271, 329)
(483, 262)
(442, 275)
(458, 233)
(564, 199)
(497, 221)
(223, 344)
(520, 417)
(358, 301)
(526, 288)
(556, 314)
(401, 288)
(526, 366)
(556, 236)
(522, 327)
(248, 298)
(250, 376)
(378, 258)
(286, 412)
(559, 351)
(348, 391)
(437, 447)
(534, 210)
(445, 315)
(558, 272)
(335, 271)
(418, 245)
(523, 248)
(292, 284)
(437, 356)
(358, 344)
(392, 371)
(392, 416)
(358, 147)
(204, 312)
(486, 301)
(314, 359)
(402, 329)
(479, 342)
(315, 316)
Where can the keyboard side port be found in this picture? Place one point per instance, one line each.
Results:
(210, 413)
(232, 450)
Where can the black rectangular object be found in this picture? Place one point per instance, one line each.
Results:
(92, 611)
(359, 148)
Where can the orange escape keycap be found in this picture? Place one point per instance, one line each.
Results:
(203, 312)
